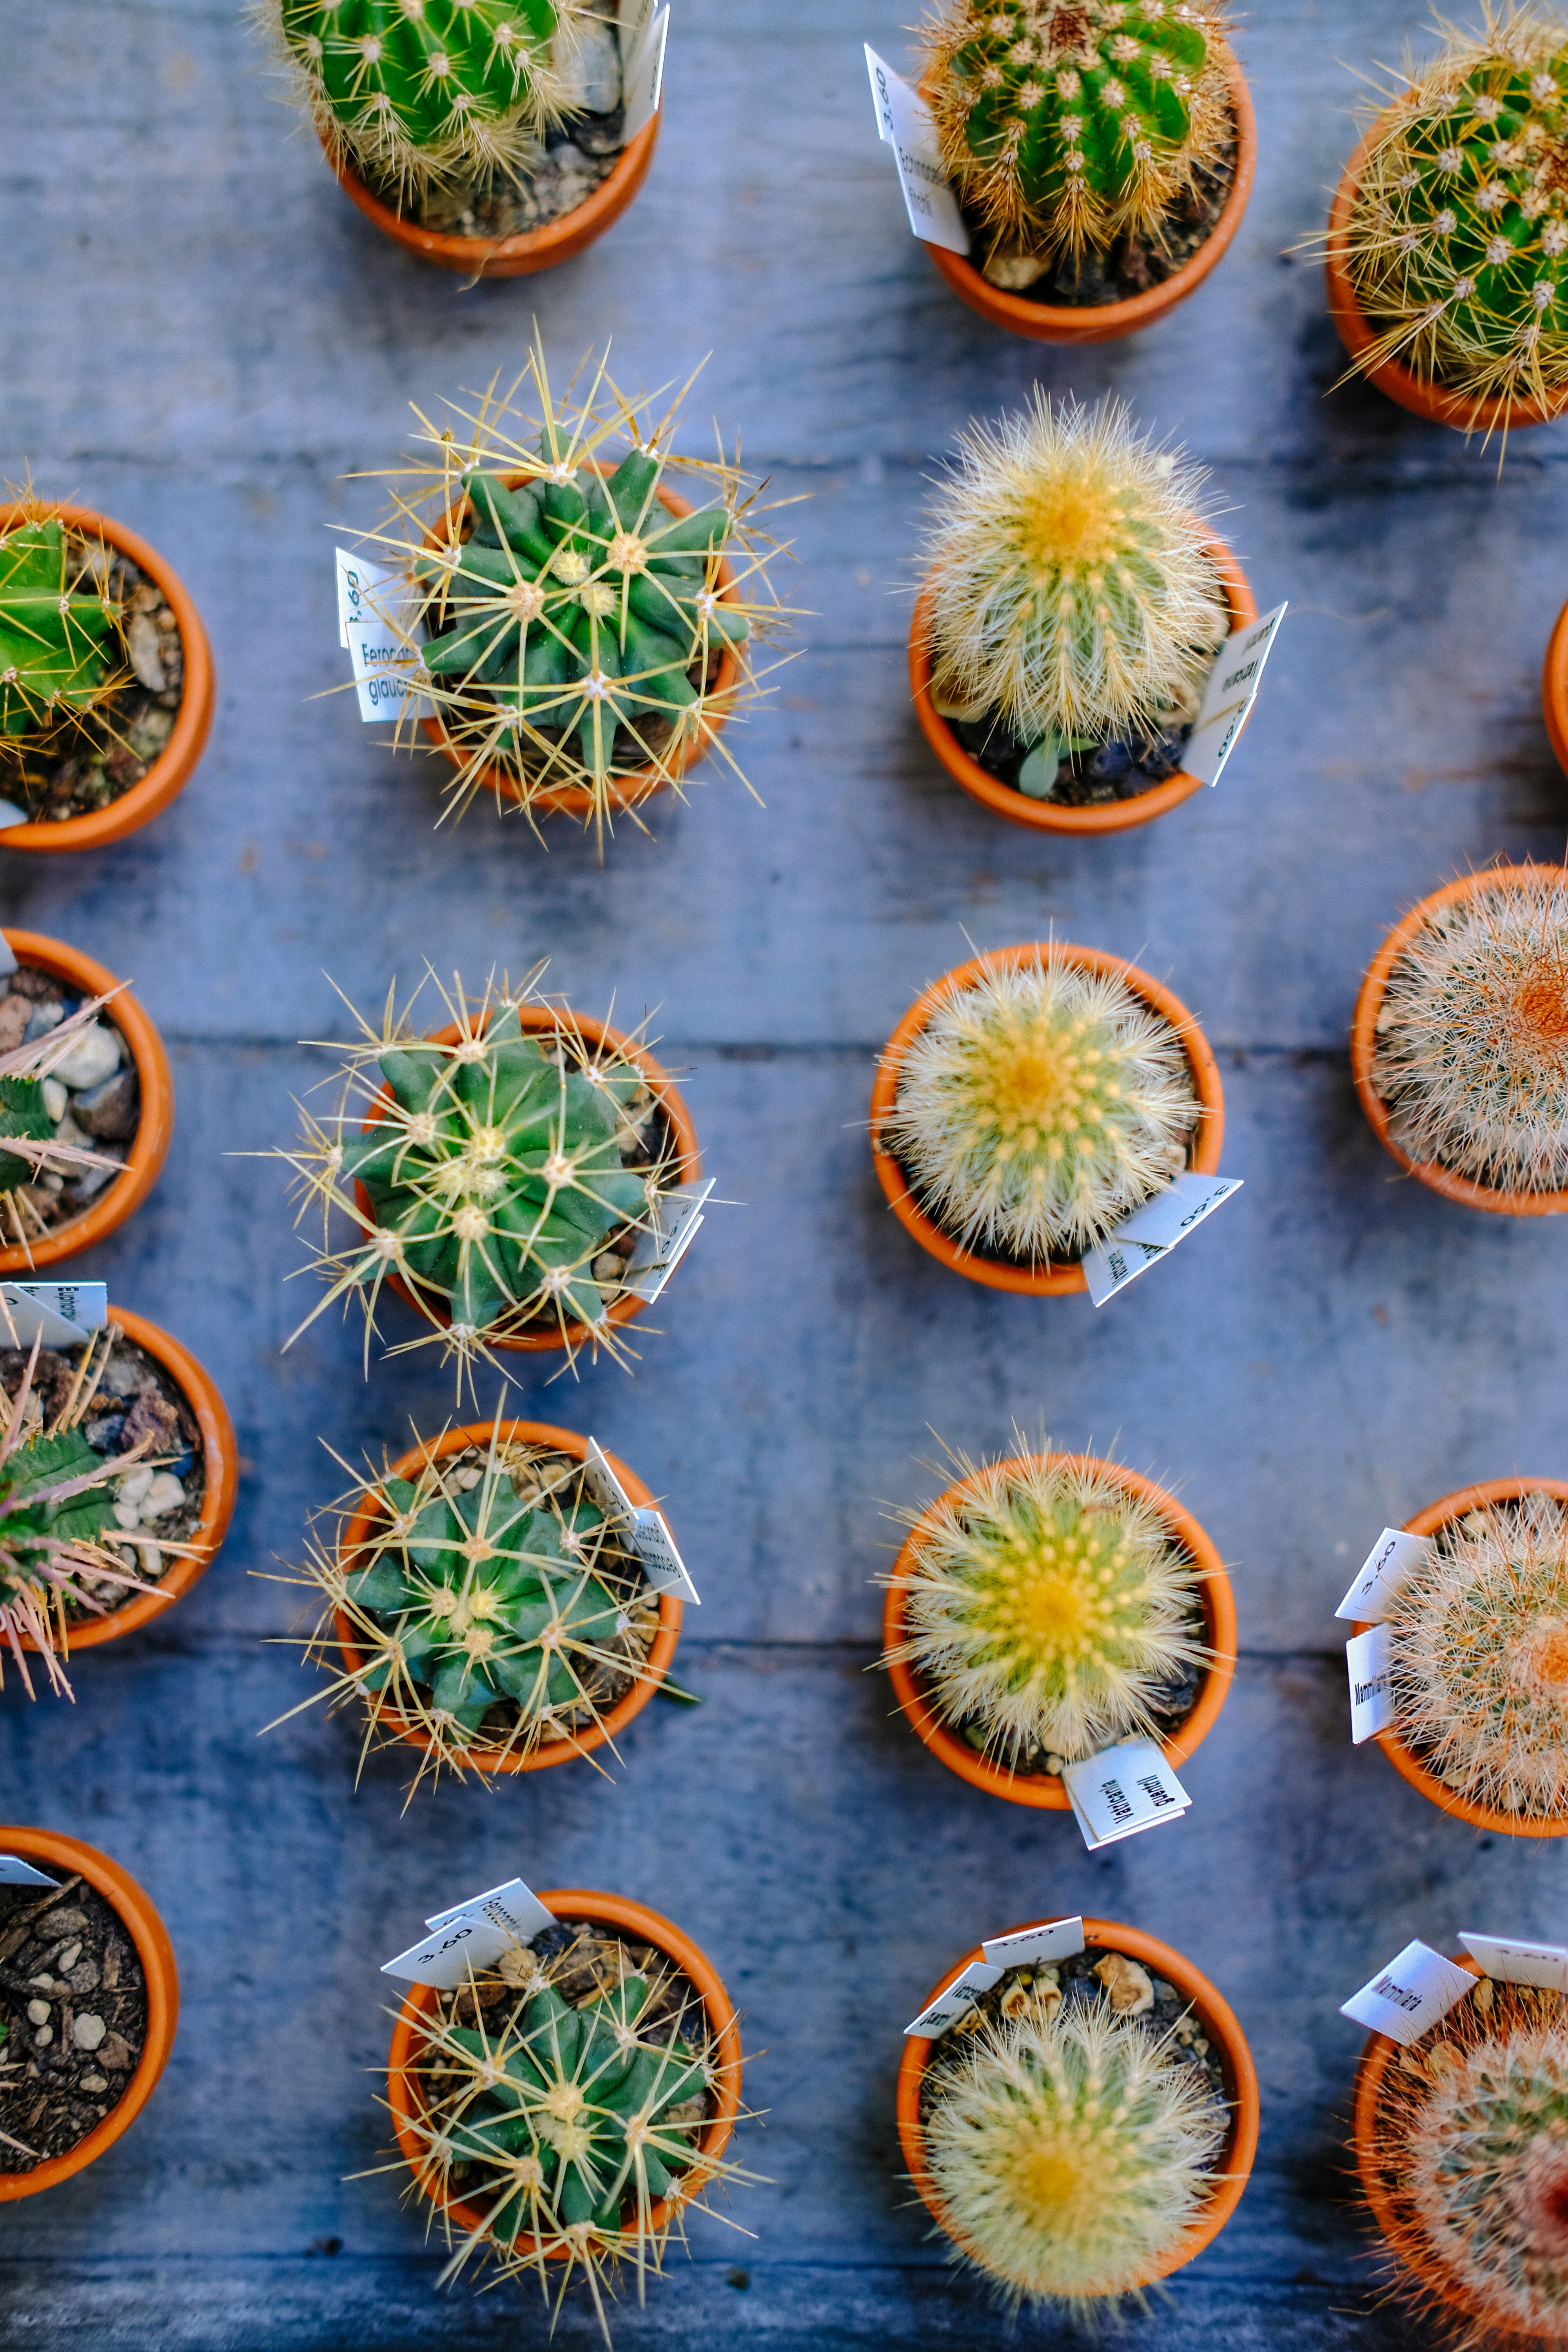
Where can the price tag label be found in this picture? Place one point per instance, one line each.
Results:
(663, 1242)
(1384, 1575)
(955, 2002)
(903, 120)
(372, 602)
(1410, 1994)
(1122, 1791)
(66, 1313)
(644, 1530)
(642, 66)
(1512, 1962)
(1053, 1940)
(1153, 1231)
(15, 1872)
(471, 1935)
(1368, 1662)
(1231, 691)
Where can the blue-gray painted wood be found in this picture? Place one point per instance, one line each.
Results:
(203, 338)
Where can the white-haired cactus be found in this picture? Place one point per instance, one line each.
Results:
(60, 645)
(1067, 123)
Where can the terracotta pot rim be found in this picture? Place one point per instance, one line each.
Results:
(1043, 1790)
(149, 1145)
(631, 792)
(1405, 1762)
(220, 1460)
(1222, 2025)
(525, 251)
(1102, 322)
(649, 1927)
(141, 1921)
(175, 765)
(489, 1761)
(1392, 377)
(1005, 800)
(1554, 688)
(1364, 1041)
(1054, 1281)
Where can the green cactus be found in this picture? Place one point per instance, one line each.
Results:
(1068, 123)
(1459, 227)
(57, 644)
(22, 1113)
(414, 91)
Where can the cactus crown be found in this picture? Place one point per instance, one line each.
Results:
(1072, 122)
(581, 635)
(495, 1168)
(1073, 592)
(413, 92)
(1470, 1052)
(1471, 2138)
(1048, 1607)
(1070, 2153)
(1038, 1106)
(1459, 228)
(59, 644)
(1480, 1658)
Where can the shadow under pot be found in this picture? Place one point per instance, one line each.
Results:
(96, 1103)
(1137, 280)
(82, 2054)
(612, 1991)
(1478, 1665)
(1128, 2067)
(1047, 1606)
(577, 1644)
(1031, 1099)
(1456, 1047)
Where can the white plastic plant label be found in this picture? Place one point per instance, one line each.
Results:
(11, 814)
(1153, 1231)
(1055, 1939)
(383, 661)
(642, 68)
(955, 2002)
(7, 957)
(471, 1935)
(66, 1313)
(1384, 1575)
(903, 120)
(1231, 691)
(646, 1530)
(1512, 1962)
(1121, 1791)
(513, 1906)
(663, 1242)
(1410, 1994)
(1368, 1661)
(15, 1872)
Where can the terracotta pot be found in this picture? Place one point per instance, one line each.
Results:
(68, 1855)
(1442, 1513)
(1001, 1274)
(149, 1146)
(1554, 688)
(576, 800)
(1421, 395)
(220, 1460)
(529, 250)
(1364, 1040)
(1043, 816)
(1219, 2023)
(671, 1609)
(1045, 1790)
(171, 771)
(1103, 322)
(406, 2088)
(540, 1020)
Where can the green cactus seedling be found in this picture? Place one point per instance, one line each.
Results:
(59, 643)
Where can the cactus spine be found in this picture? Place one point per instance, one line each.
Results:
(1071, 122)
(57, 644)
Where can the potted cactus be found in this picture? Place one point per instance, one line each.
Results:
(89, 2003)
(502, 1172)
(1087, 2127)
(1102, 156)
(106, 682)
(1447, 239)
(1073, 604)
(1030, 1101)
(86, 1104)
(1460, 1047)
(1050, 1606)
(483, 1607)
(1478, 1658)
(487, 136)
(564, 2109)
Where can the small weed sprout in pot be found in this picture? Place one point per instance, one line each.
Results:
(1074, 604)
